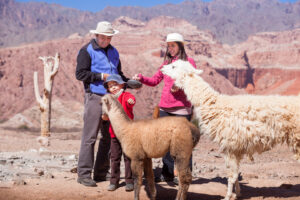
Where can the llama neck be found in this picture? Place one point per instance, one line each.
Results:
(198, 92)
(119, 120)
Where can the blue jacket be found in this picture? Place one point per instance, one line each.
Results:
(92, 61)
(102, 63)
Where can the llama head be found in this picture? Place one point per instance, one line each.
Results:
(106, 102)
(179, 70)
(110, 102)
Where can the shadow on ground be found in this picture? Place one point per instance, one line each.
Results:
(248, 192)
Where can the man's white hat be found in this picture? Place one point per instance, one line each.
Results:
(175, 37)
(104, 28)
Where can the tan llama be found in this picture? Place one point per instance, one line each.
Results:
(142, 140)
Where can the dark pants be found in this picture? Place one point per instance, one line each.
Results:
(115, 158)
(92, 124)
(168, 162)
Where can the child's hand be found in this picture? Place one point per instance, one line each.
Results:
(131, 101)
(174, 88)
(105, 117)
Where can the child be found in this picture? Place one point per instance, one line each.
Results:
(114, 85)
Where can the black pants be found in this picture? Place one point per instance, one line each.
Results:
(168, 162)
(92, 124)
(115, 158)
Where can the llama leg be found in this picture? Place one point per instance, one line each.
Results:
(297, 147)
(237, 188)
(148, 171)
(233, 164)
(236, 177)
(137, 171)
(185, 177)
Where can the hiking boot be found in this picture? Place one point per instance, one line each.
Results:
(162, 178)
(112, 187)
(158, 179)
(129, 187)
(175, 180)
(87, 182)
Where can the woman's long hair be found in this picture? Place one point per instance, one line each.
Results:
(181, 54)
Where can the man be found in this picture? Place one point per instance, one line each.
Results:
(95, 62)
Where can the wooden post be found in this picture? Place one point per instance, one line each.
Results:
(44, 102)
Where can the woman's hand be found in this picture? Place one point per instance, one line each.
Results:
(174, 89)
(136, 77)
(105, 117)
(131, 101)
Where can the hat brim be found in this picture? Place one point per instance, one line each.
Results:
(107, 34)
(175, 41)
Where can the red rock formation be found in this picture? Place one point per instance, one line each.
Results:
(270, 61)
(141, 46)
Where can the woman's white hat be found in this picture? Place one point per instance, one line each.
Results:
(175, 37)
(104, 28)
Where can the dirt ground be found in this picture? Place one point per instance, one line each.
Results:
(272, 175)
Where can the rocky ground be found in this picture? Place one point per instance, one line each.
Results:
(30, 172)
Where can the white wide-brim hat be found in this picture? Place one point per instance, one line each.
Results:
(175, 37)
(104, 28)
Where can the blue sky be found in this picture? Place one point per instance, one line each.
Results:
(97, 5)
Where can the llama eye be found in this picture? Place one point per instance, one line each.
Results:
(173, 66)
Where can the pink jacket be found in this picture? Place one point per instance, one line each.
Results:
(168, 99)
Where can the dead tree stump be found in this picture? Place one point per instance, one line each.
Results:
(50, 70)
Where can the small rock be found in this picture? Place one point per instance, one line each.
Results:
(42, 149)
(19, 181)
(49, 175)
(14, 158)
(32, 150)
(73, 170)
(40, 173)
(211, 169)
(2, 162)
(72, 157)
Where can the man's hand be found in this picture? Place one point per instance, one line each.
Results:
(105, 76)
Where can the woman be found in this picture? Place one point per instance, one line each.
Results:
(173, 101)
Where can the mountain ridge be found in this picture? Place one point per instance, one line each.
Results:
(231, 21)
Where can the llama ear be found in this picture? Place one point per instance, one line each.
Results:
(106, 102)
(108, 106)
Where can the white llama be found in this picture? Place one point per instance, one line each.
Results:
(241, 124)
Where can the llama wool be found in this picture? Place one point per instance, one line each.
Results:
(240, 124)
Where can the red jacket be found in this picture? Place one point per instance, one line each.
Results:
(128, 108)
